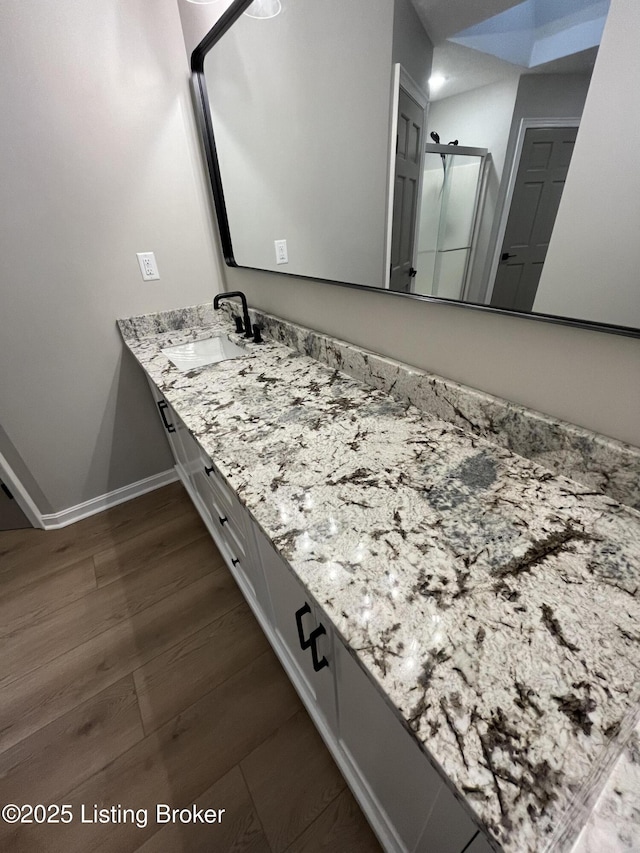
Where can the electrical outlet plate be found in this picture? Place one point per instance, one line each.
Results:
(282, 257)
(148, 266)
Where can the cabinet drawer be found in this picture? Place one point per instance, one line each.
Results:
(173, 427)
(212, 483)
(228, 524)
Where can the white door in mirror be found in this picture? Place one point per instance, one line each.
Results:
(148, 266)
(199, 353)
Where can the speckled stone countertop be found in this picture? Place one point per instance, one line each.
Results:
(492, 601)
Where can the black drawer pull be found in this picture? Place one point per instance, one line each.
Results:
(304, 644)
(222, 520)
(310, 642)
(235, 561)
(208, 470)
(313, 636)
(162, 405)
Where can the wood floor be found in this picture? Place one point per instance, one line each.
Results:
(133, 674)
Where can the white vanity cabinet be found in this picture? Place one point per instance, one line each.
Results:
(404, 798)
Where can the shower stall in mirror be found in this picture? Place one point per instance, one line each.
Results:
(452, 196)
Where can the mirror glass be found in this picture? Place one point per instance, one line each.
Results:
(415, 146)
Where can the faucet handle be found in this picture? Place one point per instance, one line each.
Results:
(257, 337)
(239, 325)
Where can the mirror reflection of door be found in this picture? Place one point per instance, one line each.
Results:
(542, 171)
(408, 168)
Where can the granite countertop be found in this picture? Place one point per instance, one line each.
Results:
(492, 601)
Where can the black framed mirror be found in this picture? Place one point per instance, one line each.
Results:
(332, 155)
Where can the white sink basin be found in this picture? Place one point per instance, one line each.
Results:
(208, 351)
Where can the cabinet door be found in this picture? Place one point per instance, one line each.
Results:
(303, 636)
(253, 571)
(449, 828)
(172, 426)
(191, 452)
(394, 774)
(479, 845)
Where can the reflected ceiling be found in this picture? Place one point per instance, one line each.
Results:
(465, 67)
(538, 31)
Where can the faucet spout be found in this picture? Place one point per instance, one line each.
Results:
(245, 311)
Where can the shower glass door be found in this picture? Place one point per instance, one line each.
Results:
(452, 187)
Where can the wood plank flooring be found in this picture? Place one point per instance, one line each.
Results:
(133, 673)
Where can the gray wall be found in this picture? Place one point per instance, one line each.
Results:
(22, 472)
(301, 109)
(412, 47)
(99, 160)
(594, 249)
(549, 96)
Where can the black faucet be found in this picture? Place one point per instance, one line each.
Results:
(245, 311)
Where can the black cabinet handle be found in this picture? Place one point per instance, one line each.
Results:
(235, 561)
(208, 470)
(304, 644)
(162, 405)
(222, 521)
(310, 641)
(313, 636)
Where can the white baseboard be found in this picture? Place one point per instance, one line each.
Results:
(54, 520)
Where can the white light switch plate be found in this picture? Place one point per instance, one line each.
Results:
(148, 266)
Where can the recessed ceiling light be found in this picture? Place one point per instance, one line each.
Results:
(436, 81)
